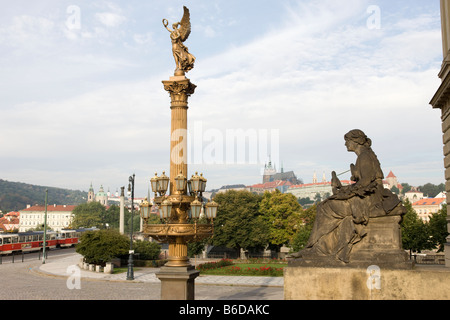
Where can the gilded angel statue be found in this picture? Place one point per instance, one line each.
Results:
(181, 30)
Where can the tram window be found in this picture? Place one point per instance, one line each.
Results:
(40, 237)
(30, 238)
(7, 240)
(35, 237)
(15, 239)
(1, 241)
(22, 239)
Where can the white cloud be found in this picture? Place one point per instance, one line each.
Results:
(318, 75)
(110, 19)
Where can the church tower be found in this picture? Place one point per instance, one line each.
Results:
(91, 194)
(269, 172)
(102, 196)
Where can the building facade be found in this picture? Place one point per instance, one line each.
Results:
(426, 207)
(441, 100)
(414, 195)
(58, 217)
(280, 185)
(311, 190)
(10, 222)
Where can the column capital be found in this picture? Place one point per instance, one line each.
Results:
(179, 88)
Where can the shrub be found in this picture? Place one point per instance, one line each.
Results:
(100, 246)
(147, 250)
(214, 265)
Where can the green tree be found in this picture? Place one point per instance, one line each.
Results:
(147, 250)
(304, 201)
(317, 198)
(438, 228)
(395, 190)
(195, 248)
(87, 215)
(406, 188)
(415, 234)
(239, 223)
(100, 246)
(281, 212)
(432, 190)
(302, 236)
(112, 216)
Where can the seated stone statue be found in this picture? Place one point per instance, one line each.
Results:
(342, 220)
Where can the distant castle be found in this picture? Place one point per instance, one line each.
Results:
(271, 174)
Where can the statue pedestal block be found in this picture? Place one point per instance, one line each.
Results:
(177, 283)
(382, 245)
(334, 283)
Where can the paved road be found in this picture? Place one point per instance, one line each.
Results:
(32, 280)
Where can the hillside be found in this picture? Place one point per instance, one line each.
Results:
(15, 196)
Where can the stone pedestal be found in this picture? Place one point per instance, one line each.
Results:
(177, 283)
(382, 245)
(368, 283)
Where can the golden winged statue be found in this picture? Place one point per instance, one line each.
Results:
(181, 30)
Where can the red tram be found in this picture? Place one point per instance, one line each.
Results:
(34, 240)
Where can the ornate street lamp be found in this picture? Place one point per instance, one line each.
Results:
(145, 208)
(130, 272)
(195, 183)
(196, 207)
(211, 209)
(165, 210)
(202, 185)
(154, 182)
(180, 183)
(163, 184)
(180, 209)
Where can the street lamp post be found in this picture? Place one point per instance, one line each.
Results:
(180, 209)
(130, 273)
(45, 228)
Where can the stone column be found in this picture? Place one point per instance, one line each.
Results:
(177, 276)
(180, 88)
(122, 211)
(441, 100)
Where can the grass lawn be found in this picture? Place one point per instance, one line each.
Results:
(248, 269)
(123, 269)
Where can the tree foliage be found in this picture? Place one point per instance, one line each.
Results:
(15, 196)
(100, 246)
(281, 213)
(431, 190)
(87, 215)
(239, 223)
(147, 250)
(415, 233)
(302, 236)
(438, 228)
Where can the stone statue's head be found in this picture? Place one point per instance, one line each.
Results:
(358, 137)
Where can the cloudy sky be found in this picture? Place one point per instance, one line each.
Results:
(82, 101)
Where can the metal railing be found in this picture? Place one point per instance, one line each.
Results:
(19, 257)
